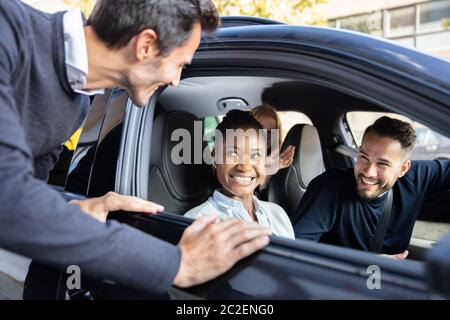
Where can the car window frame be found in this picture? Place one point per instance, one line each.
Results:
(177, 220)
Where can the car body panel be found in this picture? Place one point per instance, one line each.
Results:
(429, 70)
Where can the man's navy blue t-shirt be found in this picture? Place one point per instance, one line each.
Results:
(332, 212)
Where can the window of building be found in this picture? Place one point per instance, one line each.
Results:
(401, 21)
(433, 14)
(332, 23)
(366, 23)
(425, 26)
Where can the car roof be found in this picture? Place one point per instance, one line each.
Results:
(235, 21)
(353, 45)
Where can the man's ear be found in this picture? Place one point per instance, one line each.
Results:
(146, 44)
(404, 168)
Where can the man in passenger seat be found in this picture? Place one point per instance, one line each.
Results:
(345, 206)
(239, 164)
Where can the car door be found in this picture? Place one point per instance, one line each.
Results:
(399, 79)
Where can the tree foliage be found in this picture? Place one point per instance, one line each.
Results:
(86, 6)
(446, 24)
(288, 11)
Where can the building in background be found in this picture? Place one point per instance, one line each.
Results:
(422, 24)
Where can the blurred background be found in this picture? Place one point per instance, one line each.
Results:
(421, 24)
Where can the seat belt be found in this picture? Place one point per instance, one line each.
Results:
(346, 150)
(378, 238)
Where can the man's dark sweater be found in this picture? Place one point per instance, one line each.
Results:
(332, 212)
(38, 112)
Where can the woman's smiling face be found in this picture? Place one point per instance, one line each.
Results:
(240, 163)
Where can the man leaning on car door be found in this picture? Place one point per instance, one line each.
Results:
(49, 64)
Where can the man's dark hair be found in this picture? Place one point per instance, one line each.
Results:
(238, 119)
(395, 129)
(116, 22)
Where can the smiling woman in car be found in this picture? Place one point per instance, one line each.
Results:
(240, 166)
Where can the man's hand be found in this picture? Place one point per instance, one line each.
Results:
(399, 256)
(209, 249)
(99, 208)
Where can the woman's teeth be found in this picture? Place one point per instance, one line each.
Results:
(242, 180)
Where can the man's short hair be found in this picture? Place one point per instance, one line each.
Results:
(395, 129)
(116, 22)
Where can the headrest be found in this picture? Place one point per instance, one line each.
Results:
(176, 136)
(308, 160)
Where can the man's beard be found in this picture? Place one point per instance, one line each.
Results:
(362, 194)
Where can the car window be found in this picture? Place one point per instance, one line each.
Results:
(432, 138)
(429, 145)
(209, 125)
(358, 121)
(290, 119)
(421, 135)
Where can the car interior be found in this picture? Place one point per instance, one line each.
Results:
(323, 142)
